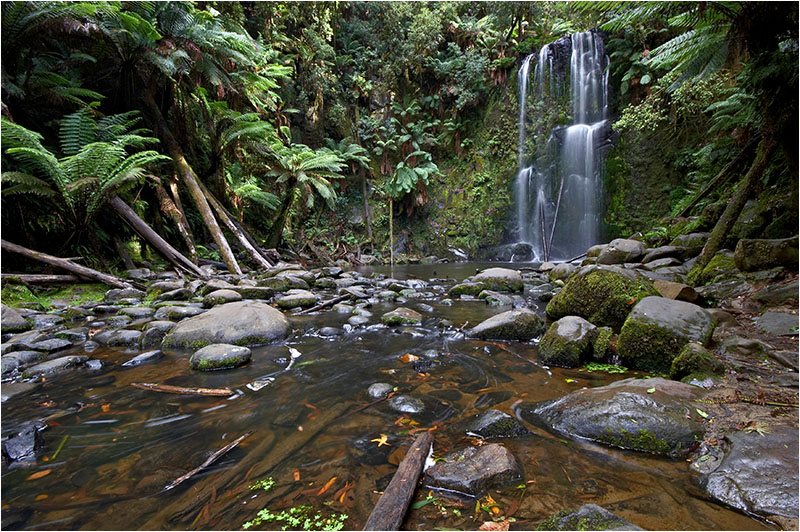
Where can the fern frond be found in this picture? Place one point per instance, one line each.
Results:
(22, 183)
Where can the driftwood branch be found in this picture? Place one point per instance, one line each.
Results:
(166, 388)
(37, 278)
(324, 304)
(391, 508)
(68, 265)
(210, 460)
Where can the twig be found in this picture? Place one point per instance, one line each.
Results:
(166, 388)
(323, 305)
(210, 460)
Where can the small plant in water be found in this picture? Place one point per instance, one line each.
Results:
(608, 368)
(298, 517)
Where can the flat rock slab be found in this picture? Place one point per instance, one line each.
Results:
(219, 356)
(118, 338)
(54, 366)
(50, 346)
(521, 325)
(779, 323)
(474, 470)
(624, 414)
(758, 474)
(144, 358)
(586, 517)
(297, 298)
(174, 312)
(241, 323)
(402, 316)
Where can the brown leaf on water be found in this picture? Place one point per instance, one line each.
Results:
(297, 475)
(490, 525)
(39, 474)
(408, 357)
(327, 486)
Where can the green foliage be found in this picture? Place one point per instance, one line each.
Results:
(607, 368)
(296, 518)
(297, 165)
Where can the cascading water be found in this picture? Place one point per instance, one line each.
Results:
(558, 194)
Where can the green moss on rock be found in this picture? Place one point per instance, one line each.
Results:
(647, 343)
(604, 295)
(694, 358)
(602, 343)
(720, 267)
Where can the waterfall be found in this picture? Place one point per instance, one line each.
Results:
(558, 187)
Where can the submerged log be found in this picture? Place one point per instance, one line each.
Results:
(166, 388)
(391, 508)
(40, 278)
(174, 256)
(68, 265)
(210, 460)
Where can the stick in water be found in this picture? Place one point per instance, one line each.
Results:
(166, 388)
(211, 459)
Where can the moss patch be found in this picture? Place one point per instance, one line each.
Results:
(643, 440)
(648, 347)
(602, 343)
(603, 296)
(694, 358)
(720, 267)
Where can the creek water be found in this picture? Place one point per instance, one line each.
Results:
(311, 427)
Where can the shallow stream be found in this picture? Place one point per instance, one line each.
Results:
(118, 446)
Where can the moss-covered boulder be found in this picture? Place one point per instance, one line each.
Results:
(651, 415)
(694, 359)
(521, 325)
(656, 331)
(219, 356)
(402, 316)
(297, 298)
(561, 271)
(495, 424)
(693, 242)
(474, 470)
(721, 267)
(586, 517)
(241, 323)
(277, 284)
(763, 254)
(495, 299)
(501, 279)
(220, 297)
(602, 348)
(12, 321)
(567, 342)
(466, 288)
(604, 295)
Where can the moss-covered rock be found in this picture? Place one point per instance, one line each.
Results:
(586, 517)
(495, 299)
(694, 358)
(763, 254)
(402, 316)
(604, 295)
(500, 279)
(466, 288)
(521, 325)
(601, 348)
(719, 268)
(656, 331)
(567, 342)
(12, 321)
(495, 424)
(219, 356)
(297, 298)
(220, 297)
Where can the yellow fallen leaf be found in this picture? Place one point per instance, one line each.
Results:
(41, 497)
(327, 486)
(382, 440)
(105, 407)
(39, 474)
(408, 357)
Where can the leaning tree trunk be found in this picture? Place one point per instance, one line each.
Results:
(735, 206)
(367, 216)
(276, 231)
(145, 231)
(188, 176)
(169, 208)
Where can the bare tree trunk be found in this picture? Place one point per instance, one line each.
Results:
(39, 278)
(123, 253)
(170, 253)
(169, 208)
(65, 264)
(223, 215)
(276, 231)
(188, 176)
(367, 216)
(735, 206)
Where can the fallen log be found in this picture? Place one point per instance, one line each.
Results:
(324, 304)
(210, 460)
(175, 257)
(41, 278)
(68, 265)
(391, 508)
(167, 388)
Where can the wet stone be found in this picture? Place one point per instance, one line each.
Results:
(379, 390)
(297, 298)
(28, 440)
(343, 308)
(45, 321)
(78, 334)
(153, 333)
(50, 346)
(12, 389)
(54, 366)
(330, 332)
(164, 286)
(116, 294)
(12, 321)
(357, 321)
(177, 313)
(405, 404)
(180, 294)
(118, 338)
(106, 309)
(119, 321)
(94, 365)
(495, 424)
(90, 345)
(368, 452)
(474, 470)
(254, 292)
(401, 316)
(144, 358)
(586, 517)
(219, 356)
(521, 325)
(220, 297)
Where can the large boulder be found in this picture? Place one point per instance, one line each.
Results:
(402, 316)
(763, 254)
(501, 279)
(240, 323)
(693, 242)
(656, 331)
(11, 321)
(297, 298)
(620, 251)
(604, 295)
(474, 470)
(521, 325)
(695, 360)
(651, 415)
(220, 297)
(567, 342)
(678, 291)
(757, 474)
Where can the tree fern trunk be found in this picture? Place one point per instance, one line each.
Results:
(734, 208)
(367, 216)
(188, 176)
(276, 231)
(169, 208)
